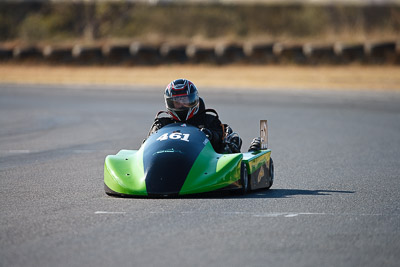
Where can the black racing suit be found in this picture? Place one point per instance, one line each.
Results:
(202, 119)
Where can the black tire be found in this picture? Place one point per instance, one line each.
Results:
(271, 173)
(244, 179)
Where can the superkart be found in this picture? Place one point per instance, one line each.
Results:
(179, 160)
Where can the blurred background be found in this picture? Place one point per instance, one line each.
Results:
(192, 31)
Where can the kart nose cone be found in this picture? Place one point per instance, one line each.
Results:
(168, 157)
(167, 173)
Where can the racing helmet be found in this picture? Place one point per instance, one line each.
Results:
(181, 99)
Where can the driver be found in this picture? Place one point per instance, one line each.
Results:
(184, 105)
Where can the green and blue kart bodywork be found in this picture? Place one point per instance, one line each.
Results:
(179, 160)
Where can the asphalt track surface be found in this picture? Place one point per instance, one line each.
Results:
(335, 200)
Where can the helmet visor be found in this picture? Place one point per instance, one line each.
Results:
(182, 102)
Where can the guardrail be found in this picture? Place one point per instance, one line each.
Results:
(268, 53)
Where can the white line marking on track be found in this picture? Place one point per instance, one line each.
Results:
(287, 214)
(110, 212)
(16, 151)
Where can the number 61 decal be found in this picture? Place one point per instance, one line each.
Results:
(174, 136)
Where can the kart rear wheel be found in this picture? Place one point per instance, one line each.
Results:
(271, 173)
(244, 179)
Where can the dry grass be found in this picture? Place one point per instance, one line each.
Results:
(258, 77)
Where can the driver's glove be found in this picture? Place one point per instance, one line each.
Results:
(255, 144)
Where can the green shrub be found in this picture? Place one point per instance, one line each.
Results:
(38, 21)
